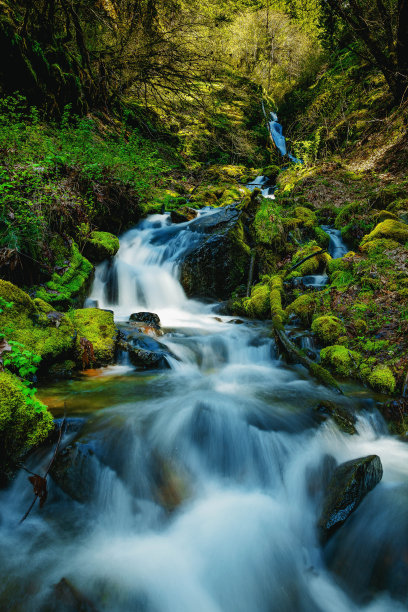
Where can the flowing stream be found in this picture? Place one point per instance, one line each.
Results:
(199, 486)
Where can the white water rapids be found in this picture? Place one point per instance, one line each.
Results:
(229, 436)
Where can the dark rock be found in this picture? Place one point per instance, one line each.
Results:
(75, 470)
(183, 214)
(147, 352)
(150, 318)
(215, 267)
(236, 321)
(350, 483)
(62, 370)
(343, 418)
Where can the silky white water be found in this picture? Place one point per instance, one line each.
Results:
(204, 482)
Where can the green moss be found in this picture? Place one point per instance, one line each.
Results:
(307, 216)
(341, 263)
(271, 172)
(322, 238)
(25, 323)
(391, 229)
(304, 307)
(277, 312)
(258, 305)
(340, 359)
(378, 246)
(98, 327)
(21, 427)
(328, 329)
(100, 246)
(70, 288)
(43, 306)
(312, 265)
(360, 326)
(381, 379)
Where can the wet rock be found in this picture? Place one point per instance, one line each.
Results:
(149, 318)
(146, 352)
(350, 483)
(343, 418)
(218, 264)
(183, 214)
(67, 598)
(75, 470)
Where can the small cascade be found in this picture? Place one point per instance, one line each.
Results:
(337, 246)
(264, 184)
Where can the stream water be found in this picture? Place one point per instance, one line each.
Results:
(202, 484)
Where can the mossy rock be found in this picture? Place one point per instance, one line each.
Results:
(26, 322)
(271, 172)
(385, 214)
(390, 229)
(341, 263)
(21, 425)
(100, 246)
(381, 379)
(98, 327)
(378, 246)
(307, 216)
(322, 237)
(303, 307)
(340, 359)
(70, 288)
(328, 329)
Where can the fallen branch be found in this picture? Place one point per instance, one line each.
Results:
(40, 482)
(296, 355)
(306, 258)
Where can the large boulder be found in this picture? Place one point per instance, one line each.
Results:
(221, 261)
(350, 483)
(96, 327)
(100, 246)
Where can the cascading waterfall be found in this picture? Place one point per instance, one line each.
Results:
(201, 485)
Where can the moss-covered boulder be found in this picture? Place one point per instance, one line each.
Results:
(390, 229)
(100, 246)
(97, 327)
(328, 329)
(71, 286)
(340, 359)
(24, 422)
(379, 378)
(303, 307)
(34, 324)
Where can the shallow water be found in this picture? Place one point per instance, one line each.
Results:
(203, 482)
